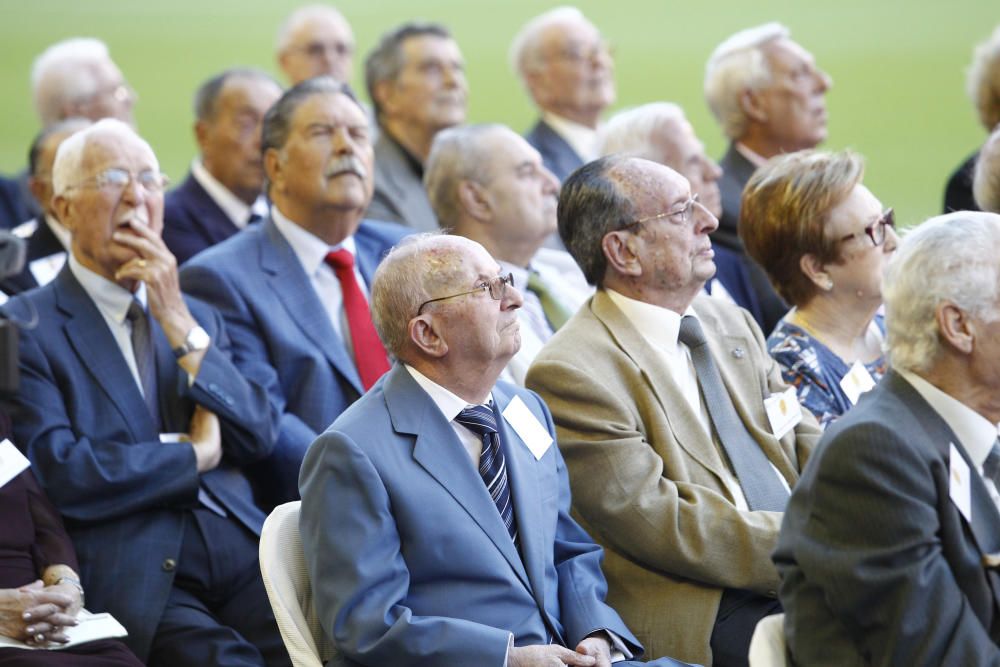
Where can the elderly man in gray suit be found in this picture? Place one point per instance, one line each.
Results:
(891, 541)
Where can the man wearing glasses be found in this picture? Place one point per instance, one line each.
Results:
(680, 442)
(315, 40)
(435, 511)
(137, 423)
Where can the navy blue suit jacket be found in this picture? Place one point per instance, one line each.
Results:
(557, 155)
(410, 561)
(93, 445)
(192, 221)
(280, 328)
(41, 244)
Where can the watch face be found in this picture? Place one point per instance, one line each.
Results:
(197, 339)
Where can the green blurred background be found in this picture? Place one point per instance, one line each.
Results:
(898, 67)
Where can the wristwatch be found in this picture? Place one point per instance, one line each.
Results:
(197, 339)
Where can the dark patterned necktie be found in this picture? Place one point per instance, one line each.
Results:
(759, 482)
(492, 467)
(145, 359)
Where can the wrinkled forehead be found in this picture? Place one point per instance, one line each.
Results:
(117, 149)
(568, 32)
(456, 261)
(650, 185)
(784, 54)
(322, 27)
(332, 108)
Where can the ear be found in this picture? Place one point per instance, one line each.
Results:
(955, 327)
(620, 253)
(816, 272)
(382, 92)
(273, 167)
(61, 206)
(473, 198)
(201, 133)
(752, 103)
(37, 190)
(425, 336)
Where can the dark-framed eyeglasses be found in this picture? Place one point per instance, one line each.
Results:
(681, 215)
(497, 287)
(877, 230)
(116, 179)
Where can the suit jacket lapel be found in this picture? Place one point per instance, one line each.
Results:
(296, 293)
(438, 450)
(214, 223)
(368, 254)
(88, 334)
(684, 424)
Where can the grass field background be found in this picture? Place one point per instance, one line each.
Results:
(898, 67)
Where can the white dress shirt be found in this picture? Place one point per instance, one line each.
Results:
(976, 434)
(311, 252)
(234, 207)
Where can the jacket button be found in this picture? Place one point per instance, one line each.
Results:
(169, 565)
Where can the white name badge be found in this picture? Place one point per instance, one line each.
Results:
(783, 411)
(960, 483)
(45, 269)
(527, 427)
(857, 381)
(12, 462)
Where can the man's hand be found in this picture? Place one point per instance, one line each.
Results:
(206, 438)
(598, 647)
(550, 655)
(34, 611)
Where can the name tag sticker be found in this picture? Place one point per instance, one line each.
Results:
(174, 437)
(959, 483)
(45, 269)
(527, 427)
(12, 462)
(857, 381)
(783, 411)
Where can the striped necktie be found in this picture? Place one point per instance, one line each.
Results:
(492, 466)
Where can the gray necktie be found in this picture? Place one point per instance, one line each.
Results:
(991, 466)
(760, 484)
(145, 359)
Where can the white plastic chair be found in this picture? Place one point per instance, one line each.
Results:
(767, 646)
(289, 590)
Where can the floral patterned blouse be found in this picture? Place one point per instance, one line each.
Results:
(815, 371)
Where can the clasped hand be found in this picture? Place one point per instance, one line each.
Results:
(37, 610)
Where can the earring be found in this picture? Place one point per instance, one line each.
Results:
(827, 285)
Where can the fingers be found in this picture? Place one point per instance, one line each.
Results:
(37, 584)
(573, 658)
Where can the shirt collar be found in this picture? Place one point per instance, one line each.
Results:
(63, 235)
(448, 403)
(309, 248)
(582, 139)
(111, 299)
(975, 432)
(752, 156)
(234, 208)
(659, 326)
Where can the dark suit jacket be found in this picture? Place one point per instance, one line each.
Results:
(732, 272)
(736, 171)
(958, 192)
(878, 565)
(410, 561)
(17, 204)
(41, 244)
(399, 190)
(557, 155)
(280, 329)
(95, 448)
(192, 221)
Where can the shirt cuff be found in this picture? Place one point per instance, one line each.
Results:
(619, 651)
(510, 646)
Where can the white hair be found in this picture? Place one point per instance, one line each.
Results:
(950, 258)
(632, 131)
(986, 183)
(64, 74)
(983, 80)
(68, 165)
(526, 49)
(303, 15)
(736, 65)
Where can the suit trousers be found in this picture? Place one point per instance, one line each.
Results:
(218, 612)
(739, 613)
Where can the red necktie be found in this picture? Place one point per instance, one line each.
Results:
(369, 354)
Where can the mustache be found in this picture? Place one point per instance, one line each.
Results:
(346, 164)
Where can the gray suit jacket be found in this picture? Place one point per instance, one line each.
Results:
(399, 191)
(878, 565)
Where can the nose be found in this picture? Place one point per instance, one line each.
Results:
(712, 171)
(891, 240)
(823, 81)
(512, 298)
(342, 140)
(550, 182)
(706, 222)
(134, 193)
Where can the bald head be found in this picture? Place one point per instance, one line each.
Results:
(77, 78)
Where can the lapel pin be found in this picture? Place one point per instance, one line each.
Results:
(738, 353)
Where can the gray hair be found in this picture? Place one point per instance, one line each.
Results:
(64, 74)
(385, 61)
(207, 95)
(301, 16)
(986, 183)
(68, 165)
(738, 64)
(591, 204)
(417, 267)
(278, 119)
(983, 80)
(457, 155)
(526, 48)
(950, 258)
(632, 131)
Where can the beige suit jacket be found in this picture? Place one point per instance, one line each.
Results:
(647, 480)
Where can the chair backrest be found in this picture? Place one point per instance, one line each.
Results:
(767, 646)
(287, 582)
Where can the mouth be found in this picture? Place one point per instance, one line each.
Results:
(132, 221)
